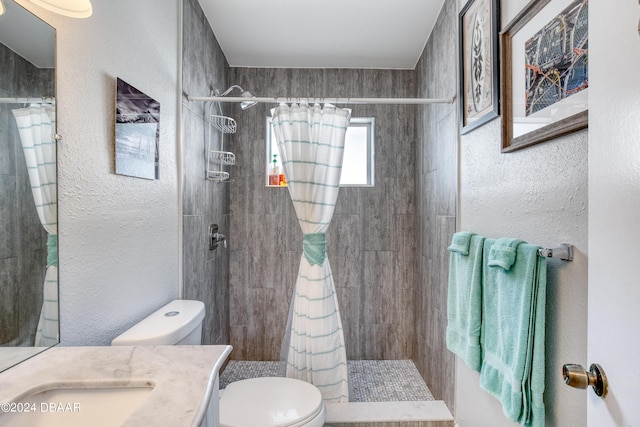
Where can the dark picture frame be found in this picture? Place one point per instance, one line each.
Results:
(544, 73)
(137, 133)
(478, 24)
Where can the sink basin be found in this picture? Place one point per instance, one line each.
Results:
(134, 386)
(75, 407)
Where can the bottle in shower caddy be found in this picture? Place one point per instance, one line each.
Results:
(274, 173)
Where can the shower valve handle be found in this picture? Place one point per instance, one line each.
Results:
(215, 237)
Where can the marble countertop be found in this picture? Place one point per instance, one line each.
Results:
(182, 377)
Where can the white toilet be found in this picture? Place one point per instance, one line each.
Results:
(256, 402)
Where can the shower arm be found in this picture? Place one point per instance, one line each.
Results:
(226, 92)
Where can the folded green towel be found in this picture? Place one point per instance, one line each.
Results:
(460, 242)
(513, 330)
(464, 303)
(503, 253)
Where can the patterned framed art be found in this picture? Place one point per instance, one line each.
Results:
(478, 62)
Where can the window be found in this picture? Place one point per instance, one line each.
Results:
(357, 165)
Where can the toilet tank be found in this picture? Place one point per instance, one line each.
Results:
(177, 323)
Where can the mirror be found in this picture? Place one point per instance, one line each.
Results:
(28, 187)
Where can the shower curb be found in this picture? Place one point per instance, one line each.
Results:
(389, 414)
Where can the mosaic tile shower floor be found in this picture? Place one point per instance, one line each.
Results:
(371, 380)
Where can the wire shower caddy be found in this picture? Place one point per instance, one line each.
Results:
(217, 160)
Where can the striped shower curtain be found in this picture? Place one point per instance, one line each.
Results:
(36, 127)
(311, 145)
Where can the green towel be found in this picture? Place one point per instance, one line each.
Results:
(503, 253)
(513, 330)
(460, 242)
(464, 301)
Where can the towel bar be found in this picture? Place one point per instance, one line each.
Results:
(564, 252)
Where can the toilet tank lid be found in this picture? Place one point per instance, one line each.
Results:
(166, 326)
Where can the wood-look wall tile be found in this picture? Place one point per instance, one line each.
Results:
(210, 327)
(8, 217)
(349, 201)
(293, 231)
(239, 342)
(370, 340)
(193, 186)
(350, 304)
(238, 285)
(194, 69)
(7, 130)
(206, 273)
(407, 321)
(276, 307)
(221, 298)
(379, 295)
(436, 198)
(378, 216)
(445, 229)
(446, 174)
(256, 339)
(193, 257)
(265, 249)
(386, 146)
(406, 236)
(347, 262)
(344, 248)
(430, 159)
(428, 217)
(9, 300)
(291, 261)
(406, 178)
(239, 214)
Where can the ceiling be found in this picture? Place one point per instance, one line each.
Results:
(322, 34)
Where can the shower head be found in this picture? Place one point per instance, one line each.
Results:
(247, 104)
(245, 93)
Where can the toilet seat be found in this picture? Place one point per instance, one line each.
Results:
(271, 402)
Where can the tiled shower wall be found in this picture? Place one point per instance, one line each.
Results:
(386, 245)
(435, 184)
(23, 253)
(371, 238)
(206, 273)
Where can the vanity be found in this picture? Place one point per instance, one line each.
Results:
(113, 386)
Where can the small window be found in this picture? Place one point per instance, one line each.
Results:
(357, 165)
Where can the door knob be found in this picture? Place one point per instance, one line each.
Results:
(575, 376)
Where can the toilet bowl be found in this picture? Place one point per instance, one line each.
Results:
(256, 402)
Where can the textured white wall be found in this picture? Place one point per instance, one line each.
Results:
(118, 235)
(538, 194)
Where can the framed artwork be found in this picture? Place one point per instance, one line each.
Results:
(544, 73)
(137, 133)
(478, 62)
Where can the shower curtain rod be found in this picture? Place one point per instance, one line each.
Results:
(324, 100)
(44, 99)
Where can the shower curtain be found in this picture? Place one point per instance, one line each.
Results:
(36, 127)
(311, 146)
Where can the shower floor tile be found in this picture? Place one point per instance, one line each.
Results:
(370, 380)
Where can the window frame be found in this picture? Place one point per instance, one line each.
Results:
(367, 122)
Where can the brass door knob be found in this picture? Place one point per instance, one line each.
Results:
(575, 376)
